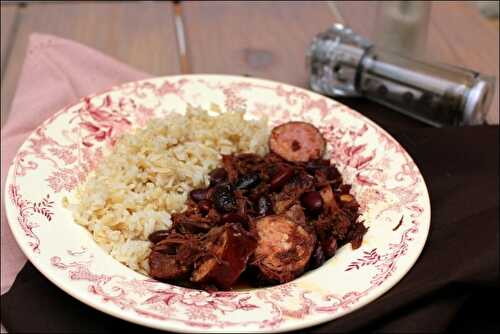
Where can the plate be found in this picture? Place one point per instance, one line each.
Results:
(58, 154)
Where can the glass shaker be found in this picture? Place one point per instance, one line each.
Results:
(342, 63)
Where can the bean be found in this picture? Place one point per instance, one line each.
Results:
(198, 194)
(217, 176)
(248, 181)
(312, 201)
(223, 198)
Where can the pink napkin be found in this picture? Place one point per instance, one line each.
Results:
(56, 72)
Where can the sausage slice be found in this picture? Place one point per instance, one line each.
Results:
(283, 248)
(297, 141)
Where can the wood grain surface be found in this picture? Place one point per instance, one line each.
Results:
(264, 39)
(142, 35)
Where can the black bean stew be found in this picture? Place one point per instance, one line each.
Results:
(270, 218)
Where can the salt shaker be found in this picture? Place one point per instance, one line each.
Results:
(342, 63)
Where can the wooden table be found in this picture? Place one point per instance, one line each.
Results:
(262, 39)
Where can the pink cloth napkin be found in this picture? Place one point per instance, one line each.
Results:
(56, 72)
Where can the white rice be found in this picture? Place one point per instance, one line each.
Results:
(150, 172)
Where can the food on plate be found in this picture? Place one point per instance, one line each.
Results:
(275, 218)
(202, 201)
(284, 248)
(271, 216)
(297, 141)
(149, 173)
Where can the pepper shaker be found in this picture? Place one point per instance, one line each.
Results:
(342, 63)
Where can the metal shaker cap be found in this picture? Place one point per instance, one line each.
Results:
(478, 101)
(333, 59)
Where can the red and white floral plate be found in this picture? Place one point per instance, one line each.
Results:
(56, 157)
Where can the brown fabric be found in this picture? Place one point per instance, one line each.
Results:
(452, 287)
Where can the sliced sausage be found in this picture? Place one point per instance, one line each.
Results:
(297, 141)
(283, 248)
(229, 248)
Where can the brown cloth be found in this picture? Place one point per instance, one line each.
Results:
(452, 287)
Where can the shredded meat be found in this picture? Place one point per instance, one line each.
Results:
(173, 257)
(228, 249)
(272, 217)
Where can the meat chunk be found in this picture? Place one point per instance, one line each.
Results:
(187, 222)
(159, 235)
(284, 248)
(338, 224)
(281, 173)
(267, 217)
(329, 199)
(166, 267)
(297, 141)
(356, 235)
(247, 162)
(173, 257)
(292, 191)
(228, 248)
(296, 214)
(318, 257)
(229, 163)
(170, 243)
(350, 206)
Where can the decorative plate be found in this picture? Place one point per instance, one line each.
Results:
(56, 157)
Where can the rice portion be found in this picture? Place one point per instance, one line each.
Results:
(150, 172)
